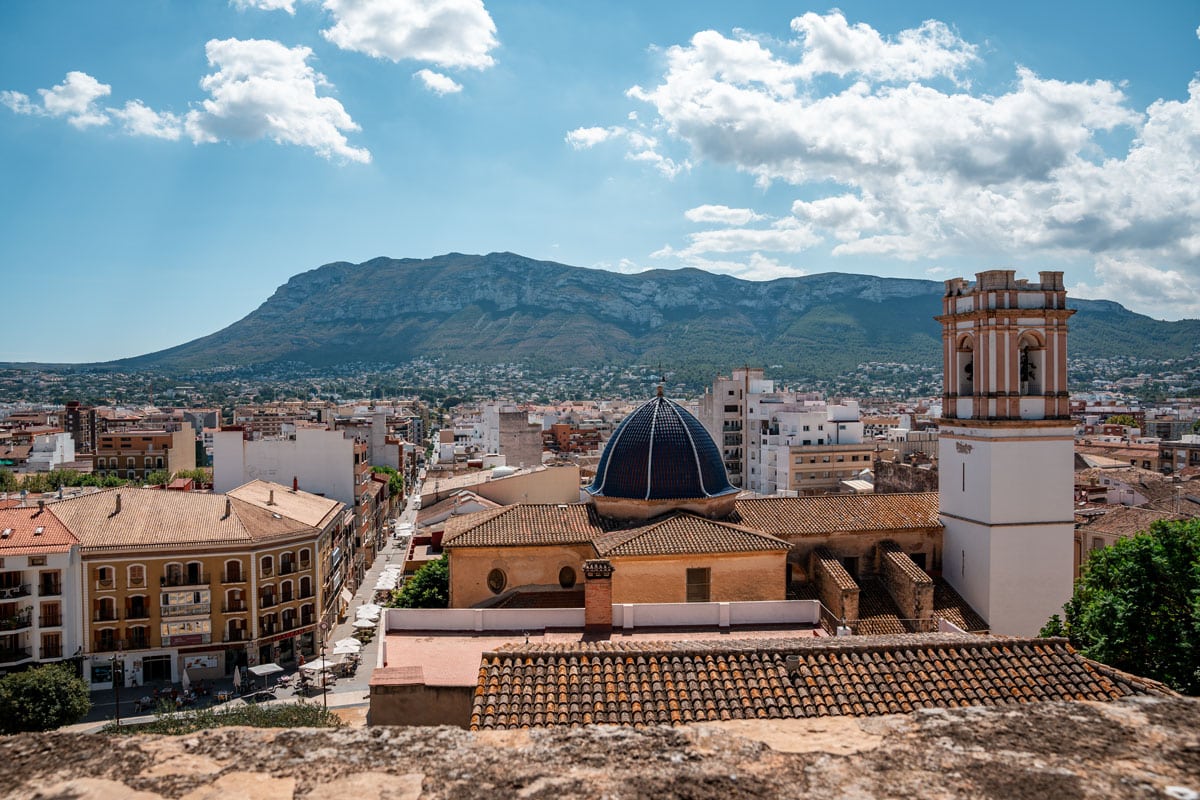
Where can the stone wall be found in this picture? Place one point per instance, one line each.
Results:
(837, 590)
(399, 696)
(897, 478)
(1129, 748)
(909, 586)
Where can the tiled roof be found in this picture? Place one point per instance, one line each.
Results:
(832, 566)
(877, 612)
(685, 533)
(154, 519)
(525, 524)
(950, 606)
(1123, 520)
(304, 507)
(652, 683)
(570, 598)
(895, 555)
(815, 516)
(21, 535)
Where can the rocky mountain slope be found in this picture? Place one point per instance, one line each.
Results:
(503, 307)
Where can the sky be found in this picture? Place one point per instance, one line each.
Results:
(167, 164)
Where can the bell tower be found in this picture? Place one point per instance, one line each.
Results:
(1006, 448)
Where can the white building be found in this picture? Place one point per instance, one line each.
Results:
(1006, 448)
(50, 451)
(40, 595)
(315, 460)
(779, 429)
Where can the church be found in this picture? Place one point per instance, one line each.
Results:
(990, 550)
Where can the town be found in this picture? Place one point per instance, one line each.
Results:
(160, 547)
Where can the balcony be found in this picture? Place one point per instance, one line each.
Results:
(234, 608)
(17, 621)
(137, 613)
(267, 571)
(267, 601)
(104, 646)
(233, 577)
(51, 651)
(305, 594)
(137, 583)
(235, 636)
(187, 610)
(286, 597)
(290, 624)
(105, 615)
(138, 643)
(195, 579)
(50, 590)
(288, 568)
(50, 621)
(11, 656)
(305, 564)
(105, 584)
(13, 592)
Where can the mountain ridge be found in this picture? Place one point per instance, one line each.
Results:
(503, 307)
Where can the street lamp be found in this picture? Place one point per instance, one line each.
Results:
(117, 666)
(324, 692)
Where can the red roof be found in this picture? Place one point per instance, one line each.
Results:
(30, 531)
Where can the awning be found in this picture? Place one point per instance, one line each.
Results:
(318, 665)
(347, 598)
(263, 670)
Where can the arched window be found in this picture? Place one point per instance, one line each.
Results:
(305, 586)
(1031, 363)
(233, 571)
(966, 365)
(137, 575)
(285, 592)
(268, 566)
(173, 574)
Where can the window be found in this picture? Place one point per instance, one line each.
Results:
(1097, 543)
(137, 575)
(496, 581)
(37, 561)
(566, 577)
(698, 584)
(104, 577)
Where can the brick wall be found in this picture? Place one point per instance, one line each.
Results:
(909, 586)
(837, 590)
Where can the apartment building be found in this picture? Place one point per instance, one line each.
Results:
(133, 454)
(179, 580)
(39, 589)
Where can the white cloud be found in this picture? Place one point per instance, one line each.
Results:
(756, 267)
(666, 166)
(783, 236)
(437, 82)
(263, 89)
(449, 33)
(722, 215)
(584, 138)
(74, 99)
(139, 120)
(1133, 283)
(922, 166)
(265, 5)
(833, 46)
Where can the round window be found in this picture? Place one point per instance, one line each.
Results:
(566, 577)
(496, 580)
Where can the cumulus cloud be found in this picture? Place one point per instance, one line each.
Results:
(437, 82)
(640, 147)
(449, 33)
(74, 100)
(900, 158)
(263, 89)
(756, 267)
(140, 120)
(1136, 283)
(584, 138)
(722, 215)
(265, 5)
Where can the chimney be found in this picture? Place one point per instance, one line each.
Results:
(228, 507)
(271, 498)
(41, 506)
(295, 484)
(597, 595)
(118, 508)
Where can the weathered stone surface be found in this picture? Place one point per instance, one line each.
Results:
(1132, 748)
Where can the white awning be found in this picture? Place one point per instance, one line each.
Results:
(263, 670)
(347, 598)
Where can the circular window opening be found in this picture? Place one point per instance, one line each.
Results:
(566, 577)
(496, 580)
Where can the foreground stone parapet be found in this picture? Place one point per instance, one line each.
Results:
(1136, 747)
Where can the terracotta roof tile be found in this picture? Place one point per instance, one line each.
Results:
(652, 683)
(28, 531)
(685, 533)
(835, 513)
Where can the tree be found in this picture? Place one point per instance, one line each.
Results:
(395, 479)
(42, 698)
(1122, 419)
(429, 588)
(159, 477)
(1137, 605)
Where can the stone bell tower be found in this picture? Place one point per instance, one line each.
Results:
(1006, 448)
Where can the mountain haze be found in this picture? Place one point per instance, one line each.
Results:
(503, 307)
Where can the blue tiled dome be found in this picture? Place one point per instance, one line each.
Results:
(661, 452)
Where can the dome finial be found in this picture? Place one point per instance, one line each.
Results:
(660, 390)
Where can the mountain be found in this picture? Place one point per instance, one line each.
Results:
(503, 307)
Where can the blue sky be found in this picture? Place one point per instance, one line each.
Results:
(168, 164)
